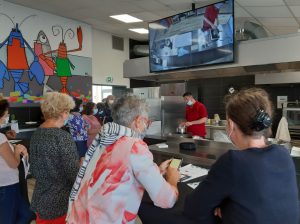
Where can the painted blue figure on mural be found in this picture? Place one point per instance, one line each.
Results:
(17, 62)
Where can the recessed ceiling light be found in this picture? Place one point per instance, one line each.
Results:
(140, 30)
(126, 18)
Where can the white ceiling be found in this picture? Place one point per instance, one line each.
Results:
(276, 16)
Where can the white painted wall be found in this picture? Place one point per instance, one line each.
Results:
(107, 61)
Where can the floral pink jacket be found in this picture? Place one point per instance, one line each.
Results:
(113, 186)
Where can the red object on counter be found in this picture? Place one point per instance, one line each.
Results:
(193, 113)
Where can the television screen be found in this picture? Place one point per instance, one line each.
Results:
(203, 36)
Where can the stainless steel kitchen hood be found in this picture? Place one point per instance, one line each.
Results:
(261, 56)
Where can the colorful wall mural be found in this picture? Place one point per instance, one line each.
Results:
(36, 59)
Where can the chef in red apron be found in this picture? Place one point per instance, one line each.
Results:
(196, 116)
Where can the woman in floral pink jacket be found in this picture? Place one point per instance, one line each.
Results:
(118, 167)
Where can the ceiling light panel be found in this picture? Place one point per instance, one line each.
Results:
(139, 30)
(125, 18)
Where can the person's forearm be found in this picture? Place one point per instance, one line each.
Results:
(93, 131)
(17, 157)
(200, 121)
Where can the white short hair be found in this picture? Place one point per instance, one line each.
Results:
(55, 104)
(127, 108)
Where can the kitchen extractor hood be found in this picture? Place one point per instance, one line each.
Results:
(261, 56)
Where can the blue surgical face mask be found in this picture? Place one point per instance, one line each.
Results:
(80, 109)
(95, 111)
(190, 103)
(66, 122)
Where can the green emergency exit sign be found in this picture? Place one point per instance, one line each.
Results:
(109, 79)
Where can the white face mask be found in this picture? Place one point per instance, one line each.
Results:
(143, 133)
(111, 102)
(229, 136)
(95, 111)
(190, 103)
(6, 120)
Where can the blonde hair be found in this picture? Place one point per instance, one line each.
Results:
(55, 104)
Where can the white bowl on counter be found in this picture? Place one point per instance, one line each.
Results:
(295, 152)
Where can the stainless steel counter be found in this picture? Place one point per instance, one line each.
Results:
(206, 153)
(211, 129)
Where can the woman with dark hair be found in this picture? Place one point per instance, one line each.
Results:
(13, 208)
(257, 182)
(89, 113)
(104, 109)
(78, 128)
(101, 112)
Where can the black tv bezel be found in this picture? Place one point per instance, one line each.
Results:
(199, 65)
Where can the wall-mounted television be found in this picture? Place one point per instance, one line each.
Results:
(199, 37)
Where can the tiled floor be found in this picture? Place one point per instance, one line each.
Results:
(31, 184)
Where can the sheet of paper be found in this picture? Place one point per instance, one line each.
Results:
(162, 145)
(190, 172)
(26, 165)
(193, 185)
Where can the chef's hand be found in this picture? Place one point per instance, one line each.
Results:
(218, 212)
(188, 124)
(182, 124)
(11, 134)
(164, 166)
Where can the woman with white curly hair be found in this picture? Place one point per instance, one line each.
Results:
(54, 160)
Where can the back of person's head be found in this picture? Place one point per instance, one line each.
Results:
(109, 100)
(127, 108)
(251, 110)
(3, 106)
(100, 106)
(187, 94)
(55, 104)
(89, 108)
(78, 103)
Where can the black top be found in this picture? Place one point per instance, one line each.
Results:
(252, 186)
(105, 114)
(54, 163)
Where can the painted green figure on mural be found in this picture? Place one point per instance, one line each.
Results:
(63, 67)
(62, 62)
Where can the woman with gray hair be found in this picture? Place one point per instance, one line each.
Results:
(54, 160)
(118, 167)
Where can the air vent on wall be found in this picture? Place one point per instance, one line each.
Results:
(118, 43)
